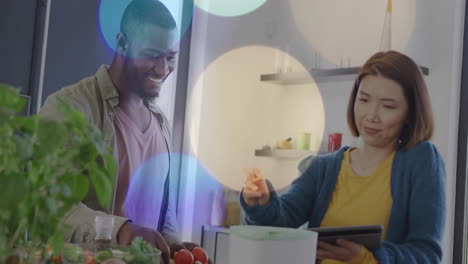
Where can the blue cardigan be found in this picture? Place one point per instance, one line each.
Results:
(417, 218)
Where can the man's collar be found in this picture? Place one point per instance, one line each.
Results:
(108, 89)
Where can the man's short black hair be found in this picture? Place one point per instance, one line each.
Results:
(141, 12)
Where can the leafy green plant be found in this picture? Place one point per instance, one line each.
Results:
(139, 252)
(46, 167)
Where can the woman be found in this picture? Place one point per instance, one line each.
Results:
(395, 178)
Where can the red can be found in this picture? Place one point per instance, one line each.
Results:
(334, 141)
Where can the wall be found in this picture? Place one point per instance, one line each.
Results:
(325, 34)
(17, 19)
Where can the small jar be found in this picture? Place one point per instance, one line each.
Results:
(103, 224)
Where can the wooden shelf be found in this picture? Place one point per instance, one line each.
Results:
(284, 153)
(319, 75)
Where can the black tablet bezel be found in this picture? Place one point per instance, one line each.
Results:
(369, 236)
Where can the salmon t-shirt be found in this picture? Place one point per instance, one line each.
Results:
(143, 168)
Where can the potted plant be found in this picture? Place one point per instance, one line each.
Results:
(46, 167)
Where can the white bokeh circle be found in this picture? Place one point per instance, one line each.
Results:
(231, 113)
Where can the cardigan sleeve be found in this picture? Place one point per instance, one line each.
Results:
(426, 212)
(290, 209)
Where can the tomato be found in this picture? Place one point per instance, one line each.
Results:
(183, 256)
(199, 254)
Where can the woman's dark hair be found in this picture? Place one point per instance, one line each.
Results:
(400, 68)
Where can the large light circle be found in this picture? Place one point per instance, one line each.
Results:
(231, 113)
(229, 8)
(201, 193)
(111, 11)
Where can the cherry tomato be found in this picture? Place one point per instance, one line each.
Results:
(199, 254)
(183, 256)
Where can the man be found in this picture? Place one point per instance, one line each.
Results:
(119, 101)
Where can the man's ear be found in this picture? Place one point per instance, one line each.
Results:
(122, 43)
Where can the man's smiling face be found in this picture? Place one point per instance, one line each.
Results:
(150, 59)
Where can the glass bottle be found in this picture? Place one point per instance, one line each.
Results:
(386, 38)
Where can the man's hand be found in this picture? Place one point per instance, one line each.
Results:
(128, 231)
(185, 245)
(344, 250)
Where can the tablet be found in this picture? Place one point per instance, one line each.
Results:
(369, 236)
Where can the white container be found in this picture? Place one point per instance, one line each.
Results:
(103, 225)
(271, 245)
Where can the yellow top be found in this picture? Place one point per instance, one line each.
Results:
(360, 200)
(389, 6)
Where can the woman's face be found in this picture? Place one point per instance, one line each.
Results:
(380, 111)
